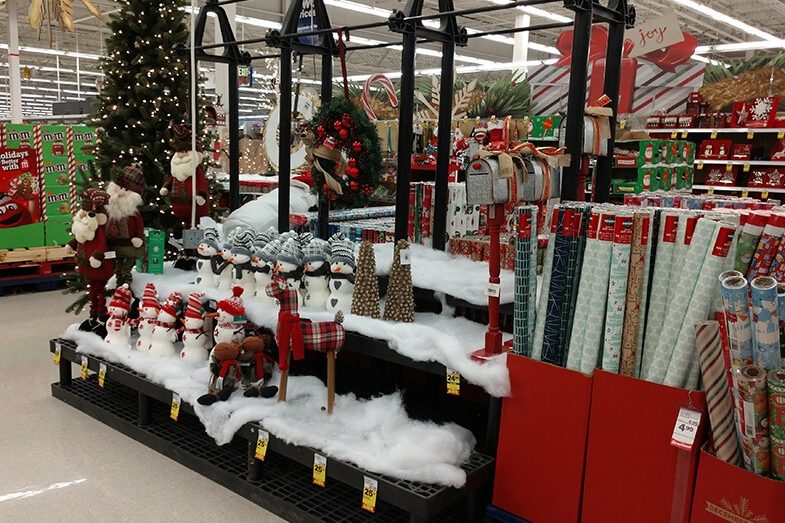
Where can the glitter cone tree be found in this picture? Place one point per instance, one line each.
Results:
(399, 305)
(365, 300)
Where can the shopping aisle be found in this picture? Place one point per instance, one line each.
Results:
(61, 465)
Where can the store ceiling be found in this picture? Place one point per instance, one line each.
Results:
(47, 84)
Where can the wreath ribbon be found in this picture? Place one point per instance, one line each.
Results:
(333, 180)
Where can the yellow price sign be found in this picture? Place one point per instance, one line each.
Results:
(684, 135)
(319, 470)
(750, 135)
(746, 167)
(764, 195)
(699, 166)
(710, 191)
(83, 370)
(713, 133)
(58, 351)
(101, 375)
(745, 193)
(729, 167)
(674, 134)
(622, 124)
(174, 412)
(781, 135)
(261, 444)
(370, 491)
(453, 383)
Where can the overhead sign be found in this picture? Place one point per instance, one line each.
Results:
(655, 34)
(307, 22)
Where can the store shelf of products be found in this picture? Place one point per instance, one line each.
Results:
(724, 130)
(281, 483)
(767, 163)
(730, 188)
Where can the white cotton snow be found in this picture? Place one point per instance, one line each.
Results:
(376, 435)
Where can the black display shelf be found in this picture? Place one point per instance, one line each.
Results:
(379, 349)
(282, 484)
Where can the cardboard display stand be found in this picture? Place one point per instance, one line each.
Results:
(542, 442)
(633, 472)
(724, 492)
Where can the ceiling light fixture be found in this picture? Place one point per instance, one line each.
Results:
(722, 17)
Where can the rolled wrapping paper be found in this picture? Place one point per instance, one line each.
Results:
(598, 292)
(660, 284)
(781, 312)
(776, 392)
(767, 246)
(718, 395)
(684, 368)
(685, 278)
(617, 293)
(684, 231)
(766, 321)
(578, 247)
(523, 311)
(653, 228)
(754, 404)
(777, 270)
(748, 240)
(634, 297)
(542, 299)
(735, 292)
(533, 278)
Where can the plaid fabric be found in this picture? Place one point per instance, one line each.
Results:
(324, 336)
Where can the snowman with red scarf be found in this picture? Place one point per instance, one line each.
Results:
(230, 327)
(148, 316)
(194, 338)
(165, 332)
(118, 328)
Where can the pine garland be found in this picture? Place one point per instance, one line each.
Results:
(400, 294)
(365, 300)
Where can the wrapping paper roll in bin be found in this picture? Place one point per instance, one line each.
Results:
(781, 312)
(525, 252)
(617, 293)
(765, 317)
(542, 301)
(735, 291)
(754, 407)
(748, 240)
(776, 382)
(767, 246)
(635, 294)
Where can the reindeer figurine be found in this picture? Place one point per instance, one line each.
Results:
(296, 335)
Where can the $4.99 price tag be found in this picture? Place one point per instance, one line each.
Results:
(174, 413)
(453, 383)
(83, 371)
(58, 351)
(101, 375)
(319, 469)
(686, 429)
(370, 489)
(261, 444)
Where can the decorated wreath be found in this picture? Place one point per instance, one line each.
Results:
(345, 154)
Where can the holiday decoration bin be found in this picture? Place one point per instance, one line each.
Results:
(542, 442)
(724, 492)
(633, 473)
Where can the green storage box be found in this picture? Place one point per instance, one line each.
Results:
(17, 134)
(153, 260)
(31, 235)
(545, 126)
(58, 230)
(53, 143)
(83, 136)
(637, 153)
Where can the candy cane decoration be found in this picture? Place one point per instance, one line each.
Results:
(69, 133)
(366, 96)
(38, 147)
(2, 135)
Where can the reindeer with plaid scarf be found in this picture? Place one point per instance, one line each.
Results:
(295, 335)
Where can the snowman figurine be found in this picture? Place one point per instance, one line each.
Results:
(230, 327)
(118, 329)
(264, 261)
(194, 338)
(316, 270)
(148, 316)
(165, 333)
(288, 265)
(209, 259)
(265, 237)
(225, 269)
(341, 284)
(243, 274)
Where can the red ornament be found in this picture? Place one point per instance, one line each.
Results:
(357, 146)
(352, 171)
(337, 125)
(346, 120)
(344, 134)
(353, 185)
(352, 162)
(320, 130)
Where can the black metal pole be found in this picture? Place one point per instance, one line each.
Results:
(145, 410)
(326, 94)
(64, 368)
(576, 102)
(405, 137)
(440, 193)
(284, 137)
(234, 138)
(602, 180)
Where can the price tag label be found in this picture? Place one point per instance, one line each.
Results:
(174, 412)
(261, 444)
(781, 135)
(713, 133)
(494, 290)
(58, 351)
(746, 168)
(728, 167)
(750, 135)
(674, 135)
(764, 195)
(370, 491)
(745, 193)
(684, 135)
(319, 470)
(83, 371)
(406, 257)
(699, 166)
(686, 428)
(453, 383)
(101, 375)
(710, 191)
(622, 124)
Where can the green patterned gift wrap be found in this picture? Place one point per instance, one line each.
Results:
(776, 381)
(748, 240)
(617, 292)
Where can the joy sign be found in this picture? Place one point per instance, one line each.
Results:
(655, 34)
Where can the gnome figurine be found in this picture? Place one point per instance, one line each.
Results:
(316, 271)
(341, 284)
(209, 259)
(288, 265)
(118, 329)
(230, 327)
(243, 274)
(148, 317)
(194, 338)
(165, 332)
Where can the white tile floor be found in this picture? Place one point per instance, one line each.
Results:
(58, 464)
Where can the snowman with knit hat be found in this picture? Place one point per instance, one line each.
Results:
(316, 271)
(230, 326)
(118, 328)
(194, 338)
(263, 261)
(225, 269)
(148, 316)
(288, 265)
(165, 332)
(266, 236)
(242, 273)
(208, 259)
(342, 264)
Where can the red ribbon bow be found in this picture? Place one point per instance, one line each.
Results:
(290, 338)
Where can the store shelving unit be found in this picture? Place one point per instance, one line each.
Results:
(720, 130)
(734, 188)
(766, 163)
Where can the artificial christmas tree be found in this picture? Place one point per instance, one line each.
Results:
(400, 295)
(365, 300)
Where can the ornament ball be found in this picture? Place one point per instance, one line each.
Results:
(320, 130)
(353, 185)
(344, 134)
(352, 162)
(337, 125)
(357, 146)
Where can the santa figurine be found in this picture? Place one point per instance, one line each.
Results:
(288, 265)
(148, 316)
(186, 167)
(316, 272)
(118, 329)
(125, 227)
(230, 326)
(194, 338)
(165, 332)
(91, 248)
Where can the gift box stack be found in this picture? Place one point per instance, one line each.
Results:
(683, 200)
(650, 165)
(375, 230)
(756, 113)
(462, 219)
